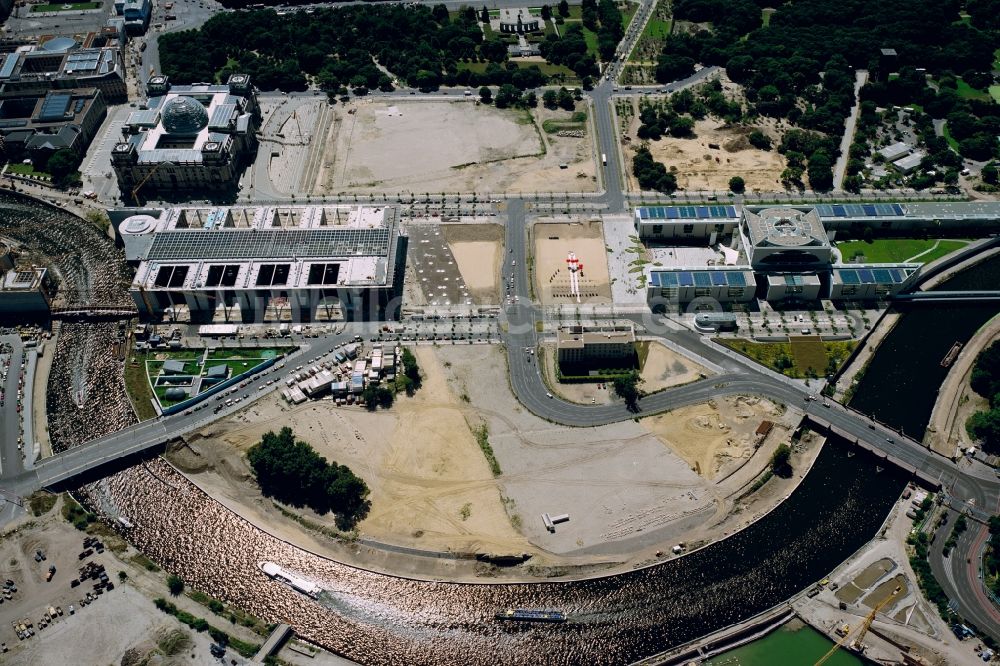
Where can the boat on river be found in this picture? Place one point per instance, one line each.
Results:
(294, 581)
(526, 615)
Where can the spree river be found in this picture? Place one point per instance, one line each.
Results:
(378, 619)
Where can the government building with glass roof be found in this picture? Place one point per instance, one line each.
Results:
(265, 263)
(786, 253)
(188, 138)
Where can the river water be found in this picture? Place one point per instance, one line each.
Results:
(379, 619)
(901, 383)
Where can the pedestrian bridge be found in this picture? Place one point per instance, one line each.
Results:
(948, 296)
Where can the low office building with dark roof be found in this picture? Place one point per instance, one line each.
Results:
(33, 125)
(265, 263)
(198, 137)
(60, 64)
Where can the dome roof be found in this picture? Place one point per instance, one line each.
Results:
(138, 224)
(184, 115)
(59, 44)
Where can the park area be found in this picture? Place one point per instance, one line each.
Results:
(898, 250)
(802, 356)
(171, 377)
(462, 146)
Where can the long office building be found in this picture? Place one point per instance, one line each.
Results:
(786, 253)
(257, 264)
(61, 63)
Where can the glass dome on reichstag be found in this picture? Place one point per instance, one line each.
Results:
(184, 115)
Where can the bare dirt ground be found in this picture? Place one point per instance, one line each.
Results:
(552, 242)
(417, 146)
(477, 249)
(663, 369)
(701, 167)
(716, 437)
(628, 495)
(102, 632)
(430, 485)
(956, 400)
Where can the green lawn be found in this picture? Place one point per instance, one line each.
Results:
(591, 38)
(949, 138)
(898, 250)
(628, 14)
(965, 91)
(25, 170)
(548, 69)
(996, 59)
(995, 93)
(765, 15)
(794, 358)
(269, 352)
(137, 387)
(66, 7)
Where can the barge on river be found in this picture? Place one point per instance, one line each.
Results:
(294, 581)
(523, 615)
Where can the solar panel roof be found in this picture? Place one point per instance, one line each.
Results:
(8, 65)
(686, 212)
(238, 244)
(736, 279)
(849, 277)
(866, 276)
(685, 279)
(718, 279)
(702, 279)
(859, 210)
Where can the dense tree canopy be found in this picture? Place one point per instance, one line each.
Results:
(339, 48)
(293, 473)
(985, 380)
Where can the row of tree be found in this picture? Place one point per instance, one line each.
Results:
(985, 380)
(293, 473)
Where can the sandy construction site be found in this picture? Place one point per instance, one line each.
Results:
(552, 241)
(430, 147)
(699, 166)
(627, 493)
(718, 437)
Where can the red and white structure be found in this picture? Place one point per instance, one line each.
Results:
(575, 270)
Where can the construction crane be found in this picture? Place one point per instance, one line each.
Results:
(135, 190)
(863, 629)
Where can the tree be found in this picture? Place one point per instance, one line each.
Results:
(507, 96)
(985, 427)
(780, 464)
(627, 388)
(122, 576)
(440, 14)
(411, 371)
(62, 165)
(484, 15)
(759, 140)
(990, 173)
(293, 473)
(671, 68)
(563, 8)
(737, 185)
(485, 95)
(565, 99)
(651, 174)
(175, 584)
(550, 99)
(546, 12)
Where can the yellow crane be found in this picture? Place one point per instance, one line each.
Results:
(135, 190)
(865, 626)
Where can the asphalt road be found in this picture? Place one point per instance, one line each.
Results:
(10, 457)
